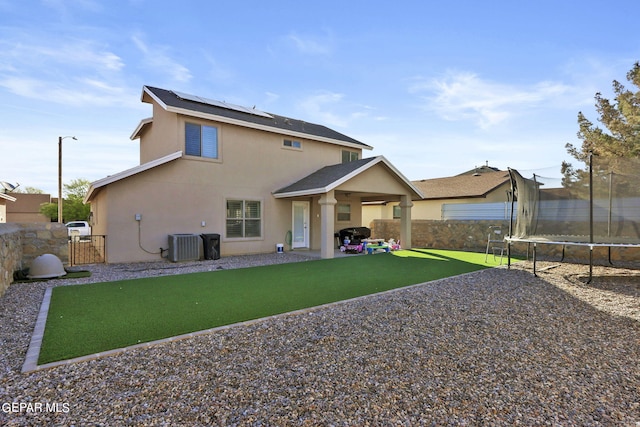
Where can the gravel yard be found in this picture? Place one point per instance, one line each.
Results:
(496, 347)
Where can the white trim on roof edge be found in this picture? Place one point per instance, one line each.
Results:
(141, 125)
(8, 197)
(95, 185)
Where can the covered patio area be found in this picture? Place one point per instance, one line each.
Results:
(349, 184)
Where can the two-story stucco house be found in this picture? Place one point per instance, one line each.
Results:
(257, 179)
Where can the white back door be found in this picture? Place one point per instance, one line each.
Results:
(300, 238)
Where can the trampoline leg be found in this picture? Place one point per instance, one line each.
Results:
(590, 263)
(534, 260)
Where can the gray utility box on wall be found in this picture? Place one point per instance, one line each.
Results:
(183, 247)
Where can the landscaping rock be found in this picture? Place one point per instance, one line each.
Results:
(495, 347)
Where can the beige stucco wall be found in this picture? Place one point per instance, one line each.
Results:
(179, 196)
(161, 138)
(180, 207)
(3, 211)
(26, 208)
(375, 180)
(185, 202)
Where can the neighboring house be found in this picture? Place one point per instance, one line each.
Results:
(4, 198)
(480, 185)
(27, 208)
(255, 178)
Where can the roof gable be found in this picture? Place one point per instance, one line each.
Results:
(462, 186)
(217, 110)
(97, 185)
(330, 177)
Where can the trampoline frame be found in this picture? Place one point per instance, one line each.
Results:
(571, 240)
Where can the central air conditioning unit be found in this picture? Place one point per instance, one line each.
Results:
(184, 247)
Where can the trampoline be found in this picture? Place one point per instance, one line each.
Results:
(600, 208)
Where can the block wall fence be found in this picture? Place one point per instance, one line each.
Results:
(21, 243)
(472, 236)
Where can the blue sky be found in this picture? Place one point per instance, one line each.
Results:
(436, 87)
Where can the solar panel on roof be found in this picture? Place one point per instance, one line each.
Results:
(186, 96)
(212, 102)
(221, 104)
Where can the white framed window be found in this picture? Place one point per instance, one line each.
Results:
(290, 143)
(343, 212)
(244, 219)
(397, 211)
(201, 140)
(349, 156)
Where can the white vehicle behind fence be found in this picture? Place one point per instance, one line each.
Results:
(78, 229)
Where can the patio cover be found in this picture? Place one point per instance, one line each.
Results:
(371, 179)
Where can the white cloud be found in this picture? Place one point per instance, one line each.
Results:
(329, 108)
(465, 96)
(72, 72)
(156, 59)
(27, 54)
(319, 108)
(81, 93)
(309, 45)
(217, 72)
(271, 98)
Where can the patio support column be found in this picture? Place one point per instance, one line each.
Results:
(405, 221)
(327, 214)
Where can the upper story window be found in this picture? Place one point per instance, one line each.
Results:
(349, 156)
(288, 143)
(201, 140)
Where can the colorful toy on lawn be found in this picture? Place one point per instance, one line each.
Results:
(369, 246)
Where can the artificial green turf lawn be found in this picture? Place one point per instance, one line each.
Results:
(92, 318)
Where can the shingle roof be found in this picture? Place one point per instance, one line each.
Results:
(480, 169)
(462, 186)
(322, 178)
(330, 177)
(172, 99)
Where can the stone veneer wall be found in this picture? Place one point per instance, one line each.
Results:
(10, 254)
(456, 235)
(20, 244)
(472, 236)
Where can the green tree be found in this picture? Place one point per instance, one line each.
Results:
(617, 147)
(73, 208)
(31, 190)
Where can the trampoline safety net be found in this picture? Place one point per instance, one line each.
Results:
(601, 205)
